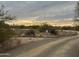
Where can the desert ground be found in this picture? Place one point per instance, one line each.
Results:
(65, 46)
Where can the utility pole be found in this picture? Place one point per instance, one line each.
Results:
(76, 17)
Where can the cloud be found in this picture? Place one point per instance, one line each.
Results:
(41, 9)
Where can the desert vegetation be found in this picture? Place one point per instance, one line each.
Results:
(6, 31)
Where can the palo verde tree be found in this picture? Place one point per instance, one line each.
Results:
(47, 27)
(6, 31)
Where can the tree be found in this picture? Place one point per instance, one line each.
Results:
(6, 31)
(44, 27)
(48, 27)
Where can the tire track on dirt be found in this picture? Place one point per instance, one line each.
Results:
(55, 47)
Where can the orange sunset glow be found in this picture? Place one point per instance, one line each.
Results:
(33, 21)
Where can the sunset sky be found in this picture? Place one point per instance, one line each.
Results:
(32, 12)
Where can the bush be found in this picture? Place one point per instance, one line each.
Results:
(44, 27)
(53, 31)
(5, 32)
(30, 33)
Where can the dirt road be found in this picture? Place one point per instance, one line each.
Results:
(50, 47)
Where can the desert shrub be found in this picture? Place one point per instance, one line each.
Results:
(30, 33)
(6, 31)
(53, 31)
(44, 27)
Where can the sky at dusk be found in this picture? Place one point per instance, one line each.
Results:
(41, 10)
